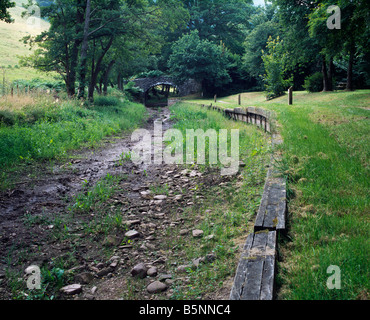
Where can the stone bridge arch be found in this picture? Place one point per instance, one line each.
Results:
(190, 86)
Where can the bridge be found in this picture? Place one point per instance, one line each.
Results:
(190, 86)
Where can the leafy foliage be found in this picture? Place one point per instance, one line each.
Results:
(274, 61)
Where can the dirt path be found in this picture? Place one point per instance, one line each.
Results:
(37, 229)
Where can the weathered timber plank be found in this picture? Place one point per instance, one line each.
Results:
(255, 273)
(253, 281)
(241, 270)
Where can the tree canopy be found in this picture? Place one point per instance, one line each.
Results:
(226, 45)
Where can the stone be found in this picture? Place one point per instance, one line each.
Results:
(84, 277)
(72, 289)
(184, 232)
(156, 287)
(112, 240)
(104, 272)
(183, 268)
(130, 223)
(164, 276)
(152, 272)
(132, 234)
(197, 233)
(210, 237)
(146, 194)
(210, 257)
(140, 270)
(160, 197)
(196, 262)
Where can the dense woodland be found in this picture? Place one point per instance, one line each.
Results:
(227, 45)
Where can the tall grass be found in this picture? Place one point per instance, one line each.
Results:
(46, 130)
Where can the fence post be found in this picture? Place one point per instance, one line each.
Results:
(240, 99)
(290, 94)
(215, 98)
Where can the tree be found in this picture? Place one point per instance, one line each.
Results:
(4, 13)
(263, 27)
(202, 60)
(275, 61)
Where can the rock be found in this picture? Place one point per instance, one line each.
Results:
(152, 272)
(160, 197)
(72, 289)
(104, 272)
(146, 194)
(210, 257)
(164, 277)
(210, 237)
(84, 277)
(183, 268)
(93, 289)
(132, 234)
(112, 240)
(197, 233)
(178, 197)
(140, 270)
(184, 232)
(156, 287)
(196, 262)
(130, 223)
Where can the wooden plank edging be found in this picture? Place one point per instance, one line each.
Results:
(255, 274)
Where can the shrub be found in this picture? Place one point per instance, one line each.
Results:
(106, 101)
(314, 82)
(132, 91)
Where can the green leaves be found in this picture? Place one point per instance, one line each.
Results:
(199, 59)
(274, 61)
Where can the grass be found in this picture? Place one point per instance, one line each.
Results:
(223, 209)
(326, 163)
(40, 129)
(11, 48)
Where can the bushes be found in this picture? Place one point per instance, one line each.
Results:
(106, 101)
(314, 82)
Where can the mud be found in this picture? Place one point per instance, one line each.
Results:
(38, 201)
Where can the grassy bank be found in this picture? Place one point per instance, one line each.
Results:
(326, 163)
(40, 128)
(224, 209)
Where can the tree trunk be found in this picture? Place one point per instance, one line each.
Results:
(324, 75)
(83, 55)
(330, 75)
(97, 69)
(119, 82)
(106, 77)
(76, 46)
(349, 85)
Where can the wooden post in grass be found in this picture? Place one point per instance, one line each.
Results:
(215, 98)
(11, 91)
(240, 99)
(290, 94)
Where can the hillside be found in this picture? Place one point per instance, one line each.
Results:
(11, 47)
